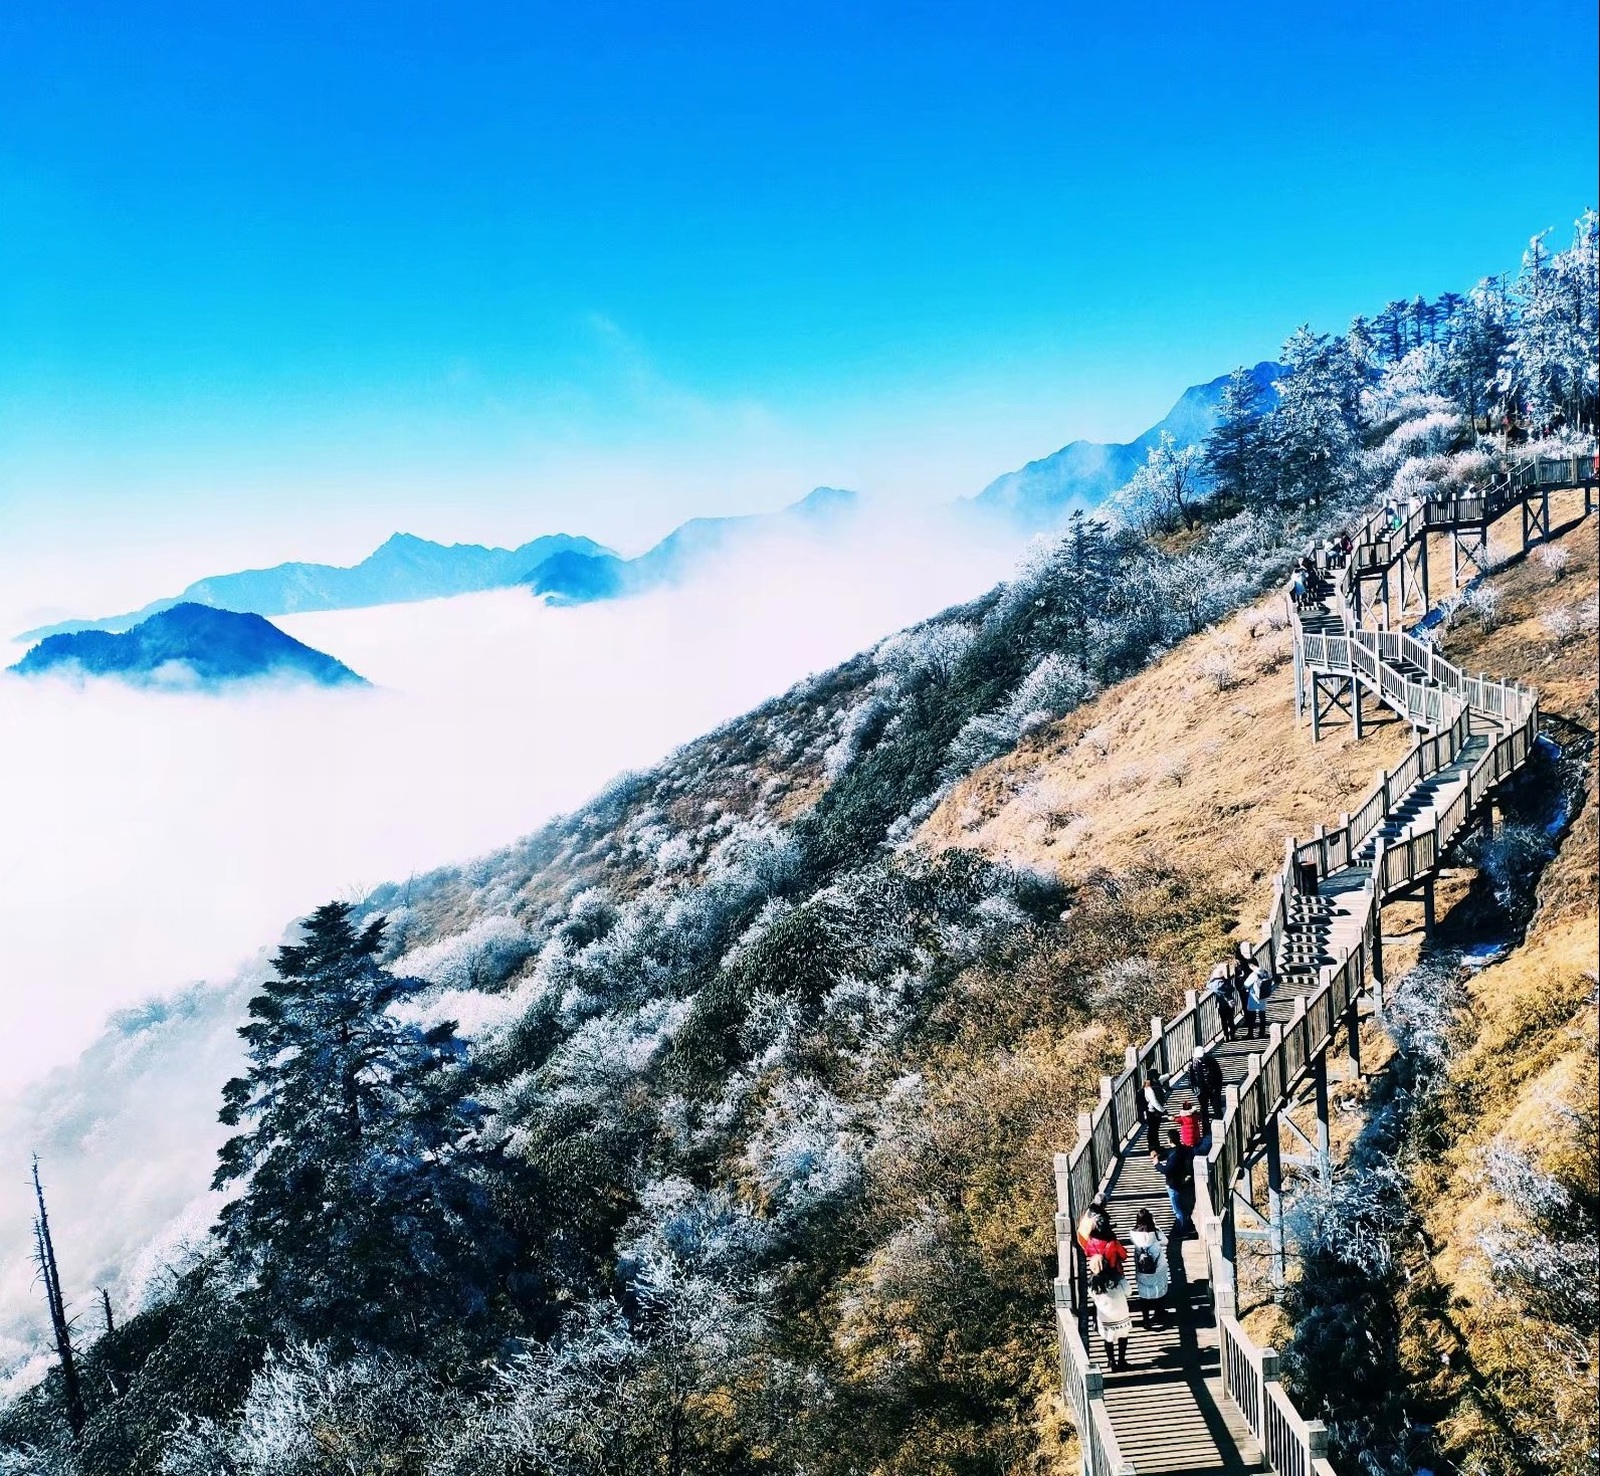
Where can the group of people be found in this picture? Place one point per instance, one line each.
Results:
(1240, 986)
(1306, 586)
(1190, 1133)
(1109, 1263)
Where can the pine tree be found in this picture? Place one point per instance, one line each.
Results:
(365, 1218)
(1553, 342)
(1081, 581)
(1315, 424)
(1479, 334)
(1236, 451)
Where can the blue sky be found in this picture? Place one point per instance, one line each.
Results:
(279, 278)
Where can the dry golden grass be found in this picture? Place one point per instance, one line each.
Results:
(1197, 762)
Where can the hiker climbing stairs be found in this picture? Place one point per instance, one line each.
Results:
(1196, 1396)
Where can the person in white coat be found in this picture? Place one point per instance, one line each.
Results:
(1151, 1276)
(1109, 1288)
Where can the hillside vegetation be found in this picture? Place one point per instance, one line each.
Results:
(709, 1129)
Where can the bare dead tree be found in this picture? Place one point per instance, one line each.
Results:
(45, 1257)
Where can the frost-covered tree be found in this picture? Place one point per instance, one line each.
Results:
(1315, 423)
(365, 1217)
(1554, 341)
(1166, 489)
(1237, 450)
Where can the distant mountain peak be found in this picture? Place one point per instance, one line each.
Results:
(188, 645)
(1084, 474)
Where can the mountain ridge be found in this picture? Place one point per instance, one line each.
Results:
(573, 578)
(565, 568)
(1084, 474)
(402, 568)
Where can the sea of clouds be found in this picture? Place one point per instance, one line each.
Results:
(155, 845)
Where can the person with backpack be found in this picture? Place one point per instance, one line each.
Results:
(1153, 1106)
(1176, 1167)
(1205, 1081)
(1151, 1277)
(1108, 1286)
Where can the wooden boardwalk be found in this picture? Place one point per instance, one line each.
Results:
(1197, 1397)
(1169, 1409)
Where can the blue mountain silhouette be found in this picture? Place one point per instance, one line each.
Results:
(188, 645)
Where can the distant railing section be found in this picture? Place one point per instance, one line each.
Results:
(1379, 543)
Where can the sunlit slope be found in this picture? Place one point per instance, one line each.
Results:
(1196, 763)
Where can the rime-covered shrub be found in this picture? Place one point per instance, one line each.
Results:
(1419, 1013)
(1543, 1253)
(307, 1414)
(807, 1149)
(482, 956)
(1053, 688)
(1356, 1217)
(1482, 604)
(1217, 671)
(1560, 625)
(1553, 559)
(925, 652)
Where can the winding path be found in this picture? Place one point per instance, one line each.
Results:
(1199, 1397)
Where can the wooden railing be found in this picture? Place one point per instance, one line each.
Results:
(1292, 1446)
(1378, 544)
(1433, 701)
(1084, 1386)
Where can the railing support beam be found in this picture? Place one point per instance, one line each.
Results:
(1275, 1240)
(1319, 1080)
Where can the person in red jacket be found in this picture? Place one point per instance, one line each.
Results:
(1190, 1122)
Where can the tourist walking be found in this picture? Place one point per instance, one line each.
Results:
(1151, 1278)
(1153, 1107)
(1243, 960)
(1205, 1081)
(1176, 1167)
(1108, 1286)
(1257, 985)
(1220, 987)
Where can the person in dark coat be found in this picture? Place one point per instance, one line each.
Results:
(1205, 1081)
(1176, 1167)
